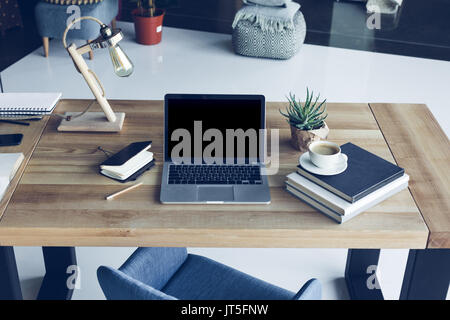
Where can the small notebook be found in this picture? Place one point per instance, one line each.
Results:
(13, 104)
(10, 163)
(365, 174)
(129, 163)
(128, 168)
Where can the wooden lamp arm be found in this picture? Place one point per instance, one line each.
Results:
(89, 76)
(92, 81)
(84, 49)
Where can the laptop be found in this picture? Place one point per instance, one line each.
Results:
(214, 149)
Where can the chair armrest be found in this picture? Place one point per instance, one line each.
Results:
(311, 290)
(117, 285)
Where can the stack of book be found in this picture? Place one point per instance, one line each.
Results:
(367, 181)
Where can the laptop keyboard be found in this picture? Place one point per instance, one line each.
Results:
(214, 174)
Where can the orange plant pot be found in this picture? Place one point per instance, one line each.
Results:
(148, 30)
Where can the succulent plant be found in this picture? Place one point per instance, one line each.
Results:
(307, 116)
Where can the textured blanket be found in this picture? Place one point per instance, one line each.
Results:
(269, 3)
(273, 19)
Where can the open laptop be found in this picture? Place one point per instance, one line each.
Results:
(210, 151)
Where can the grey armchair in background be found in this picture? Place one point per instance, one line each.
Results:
(51, 20)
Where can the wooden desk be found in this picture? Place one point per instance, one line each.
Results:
(60, 198)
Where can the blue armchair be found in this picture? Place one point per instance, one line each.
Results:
(172, 273)
(51, 20)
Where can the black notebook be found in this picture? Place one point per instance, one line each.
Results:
(129, 163)
(365, 173)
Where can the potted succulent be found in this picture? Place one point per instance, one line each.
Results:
(307, 120)
(148, 22)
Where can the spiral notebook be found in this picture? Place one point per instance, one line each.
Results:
(14, 104)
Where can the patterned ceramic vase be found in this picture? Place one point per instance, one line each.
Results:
(301, 139)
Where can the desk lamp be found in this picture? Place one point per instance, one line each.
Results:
(123, 67)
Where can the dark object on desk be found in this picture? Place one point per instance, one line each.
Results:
(365, 174)
(15, 122)
(10, 139)
(127, 153)
(129, 163)
(26, 117)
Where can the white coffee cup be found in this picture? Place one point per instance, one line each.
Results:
(326, 154)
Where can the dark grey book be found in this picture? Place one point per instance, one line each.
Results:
(365, 174)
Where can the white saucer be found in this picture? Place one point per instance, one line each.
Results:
(305, 163)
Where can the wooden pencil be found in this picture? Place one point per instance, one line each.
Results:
(112, 196)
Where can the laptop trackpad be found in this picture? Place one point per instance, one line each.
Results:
(215, 193)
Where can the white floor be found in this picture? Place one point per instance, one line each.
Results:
(199, 62)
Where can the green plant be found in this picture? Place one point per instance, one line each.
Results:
(146, 8)
(307, 116)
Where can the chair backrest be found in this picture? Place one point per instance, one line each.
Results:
(154, 266)
(51, 19)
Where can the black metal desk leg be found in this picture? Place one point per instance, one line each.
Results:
(60, 266)
(360, 276)
(427, 275)
(9, 278)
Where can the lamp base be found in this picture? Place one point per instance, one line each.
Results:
(92, 122)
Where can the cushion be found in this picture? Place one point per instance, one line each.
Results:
(202, 278)
(250, 40)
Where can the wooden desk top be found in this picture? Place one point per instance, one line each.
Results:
(60, 198)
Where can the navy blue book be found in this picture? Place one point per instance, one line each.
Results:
(365, 173)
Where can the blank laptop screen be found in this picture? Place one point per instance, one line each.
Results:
(231, 116)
